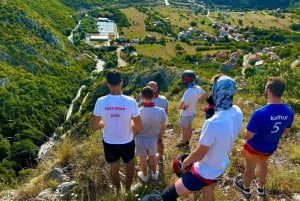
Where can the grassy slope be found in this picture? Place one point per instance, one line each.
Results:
(178, 18)
(278, 171)
(260, 19)
(40, 64)
(279, 176)
(137, 28)
(181, 18)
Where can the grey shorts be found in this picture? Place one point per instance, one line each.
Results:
(147, 150)
(186, 121)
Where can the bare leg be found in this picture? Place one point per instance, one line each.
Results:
(114, 172)
(189, 133)
(160, 149)
(180, 188)
(143, 164)
(262, 173)
(129, 172)
(249, 173)
(185, 135)
(208, 192)
(153, 163)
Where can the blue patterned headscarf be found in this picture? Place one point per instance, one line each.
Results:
(223, 90)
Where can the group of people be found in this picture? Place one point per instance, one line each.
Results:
(128, 129)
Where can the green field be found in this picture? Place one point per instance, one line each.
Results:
(137, 28)
(182, 18)
(168, 51)
(179, 18)
(260, 19)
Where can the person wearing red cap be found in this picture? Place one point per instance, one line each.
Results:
(187, 106)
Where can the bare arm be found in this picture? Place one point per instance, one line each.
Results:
(136, 125)
(248, 134)
(286, 130)
(182, 105)
(166, 110)
(196, 155)
(97, 123)
(202, 97)
(162, 130)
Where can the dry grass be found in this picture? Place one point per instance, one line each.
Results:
(181, 18)
(283, 180)
(260, 19)
(137, 28)
(168, 51)
(33, 188)
(64, 151)
(93, 177)
(165, 52)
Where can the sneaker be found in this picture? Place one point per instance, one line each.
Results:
(142, 176)
(239, 184)
(261, 192)
(180, 145)
(186, 146)
(155, 175)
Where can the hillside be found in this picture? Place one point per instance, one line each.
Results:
(42, 71)
(40, 74)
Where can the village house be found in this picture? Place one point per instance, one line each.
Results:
(227, 66)
(184, 34)
(259, 63)
(253, 58)
(107, 30)
(221, 56)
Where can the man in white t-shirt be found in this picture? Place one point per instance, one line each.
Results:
(187, 106)
(119, 117)
(208, 161)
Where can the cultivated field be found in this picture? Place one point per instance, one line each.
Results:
(260, 19)
(181, 18)
(137, 28)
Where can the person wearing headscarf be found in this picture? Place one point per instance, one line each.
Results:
(204, 166)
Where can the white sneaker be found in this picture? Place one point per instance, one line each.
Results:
(142, 176)
(155, 175)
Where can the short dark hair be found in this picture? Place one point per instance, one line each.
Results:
(113, 77)
(276, 85)
(147, 92)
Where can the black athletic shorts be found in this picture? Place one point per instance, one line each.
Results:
(113, 152)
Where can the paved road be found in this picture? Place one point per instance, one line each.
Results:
(121, 62)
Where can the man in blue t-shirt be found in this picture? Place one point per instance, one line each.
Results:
(263, 132)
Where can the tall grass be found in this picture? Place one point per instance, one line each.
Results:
(92, 172)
